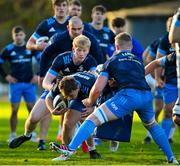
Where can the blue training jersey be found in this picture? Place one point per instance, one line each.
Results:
(127, 69)
(49, 27)
(153, 48)
(170, 73)
(62, 43)
(85, 80)
(20, 60)
(104, 37)
(164, 47)
(63, 64)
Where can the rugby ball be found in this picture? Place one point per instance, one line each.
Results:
(42, 39)
(59, 103)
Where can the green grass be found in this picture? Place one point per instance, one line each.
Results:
(133, 153)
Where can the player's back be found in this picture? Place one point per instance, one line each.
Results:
(127, 70)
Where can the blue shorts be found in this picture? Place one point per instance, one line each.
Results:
(27, 90)
(158, 93)
(76, 104)
(44, 94)
(170, 93)
(127, 100)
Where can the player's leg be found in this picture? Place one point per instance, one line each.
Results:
(29, 94)
(147, 116)
(71, 117)
(158, 106)
(116, 107)
(38, 112)
(15, 93)
(170, 96)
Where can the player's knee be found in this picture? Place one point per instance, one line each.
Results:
(149, 124)
(99, 117)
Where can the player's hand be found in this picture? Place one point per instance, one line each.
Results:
(41, 46)
(160, 83)
(40, 80)
(86, 112)
(34, 80)
(59, 111)
(86, 102)
(10, 79)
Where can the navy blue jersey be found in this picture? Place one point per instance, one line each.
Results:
(62, 43)
(127, 70)
(153, 47)
(63, 64)
(105, 37)
(170, 73)
(49, 27)
(164, 46)
(20, 60)
(85, 81)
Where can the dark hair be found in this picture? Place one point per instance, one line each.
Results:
(99, 8)
(17, 29)
(58, 2)
(68, 84)
(118, 22)
(75, 2)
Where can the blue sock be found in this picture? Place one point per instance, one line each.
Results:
(161, 139)
(166, 125)
(82, 134)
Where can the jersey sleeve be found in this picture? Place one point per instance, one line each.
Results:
(3, 57)
(57, 65)
(41, 30)
(163, 46)
(104, 70)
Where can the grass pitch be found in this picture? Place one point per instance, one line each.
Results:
(133, 153)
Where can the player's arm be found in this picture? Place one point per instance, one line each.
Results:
(49, 102)
(155, 64)
(175, 28)
(39, 32)
(49, 79)
(53, 72)
(7, 77)
(96, 90)
(147, 58)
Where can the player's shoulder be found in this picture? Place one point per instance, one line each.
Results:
(106, 29)
(64, 55)
(50, 20)
(10, 47)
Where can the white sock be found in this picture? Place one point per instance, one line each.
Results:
(149, 135)
(60, 130)
(13, 134)
(171, 133)
(90, 148)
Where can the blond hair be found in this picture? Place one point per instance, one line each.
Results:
(123, 38)
(82, 42)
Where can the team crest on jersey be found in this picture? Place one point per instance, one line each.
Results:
(106, 36)
(13, 53)
(52, 30)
